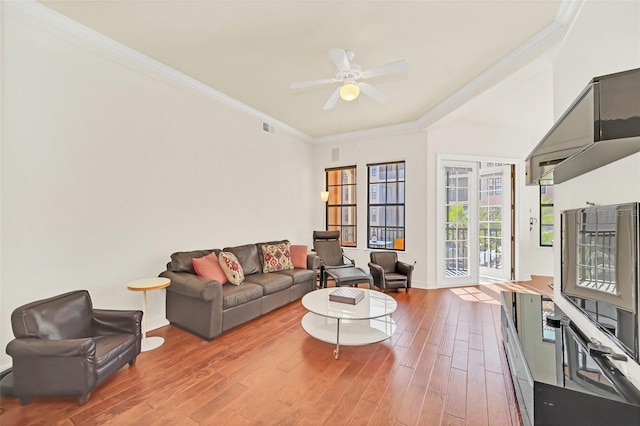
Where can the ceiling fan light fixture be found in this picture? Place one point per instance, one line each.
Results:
(349, 91)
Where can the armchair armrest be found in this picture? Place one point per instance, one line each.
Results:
(31, 347)
(53, 367)
(107, 321)
(194, 286)
(353, 262)
(378, 274)
(404, 268)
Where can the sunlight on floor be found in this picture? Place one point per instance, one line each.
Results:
(475, 294)
(490, 293)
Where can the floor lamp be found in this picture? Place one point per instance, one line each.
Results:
(324, 196)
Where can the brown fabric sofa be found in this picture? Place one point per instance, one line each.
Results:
(207, 308)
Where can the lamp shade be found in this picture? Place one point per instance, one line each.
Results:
(349, 91)
(324, 196)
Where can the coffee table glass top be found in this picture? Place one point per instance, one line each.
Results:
(374, 305)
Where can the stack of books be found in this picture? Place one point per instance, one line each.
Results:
(346, 295)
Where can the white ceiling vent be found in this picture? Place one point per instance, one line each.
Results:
(268, 128)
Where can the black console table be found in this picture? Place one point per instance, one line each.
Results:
(559, 379)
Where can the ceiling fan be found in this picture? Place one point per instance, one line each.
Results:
(349, 76)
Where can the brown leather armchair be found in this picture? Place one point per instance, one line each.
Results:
(65, 347)
(330, 255)
(331, 261)
(388, 272)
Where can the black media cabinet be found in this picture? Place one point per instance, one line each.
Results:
(556, 379)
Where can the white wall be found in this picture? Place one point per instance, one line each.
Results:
(503, 123)
(587, 53)
(107, 169)
(412, 149)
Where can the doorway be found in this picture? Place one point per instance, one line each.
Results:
(475, 217)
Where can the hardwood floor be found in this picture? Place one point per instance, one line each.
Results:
(445, 365)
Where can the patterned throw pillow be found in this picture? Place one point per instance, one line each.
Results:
(277, 257)
(231, 267)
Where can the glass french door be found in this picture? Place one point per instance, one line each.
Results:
(494, 221)
(458, 207)
(474, 221)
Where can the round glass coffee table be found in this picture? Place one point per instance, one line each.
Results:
(368, 321)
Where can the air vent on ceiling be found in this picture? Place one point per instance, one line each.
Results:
(268, 128)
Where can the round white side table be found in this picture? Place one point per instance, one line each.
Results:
(144, 285)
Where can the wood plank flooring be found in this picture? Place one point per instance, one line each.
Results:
(445, 365)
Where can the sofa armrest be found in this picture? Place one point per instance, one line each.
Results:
(317, 263)
(108, 321)
(313, 261)
(194, 286)
(31, 347)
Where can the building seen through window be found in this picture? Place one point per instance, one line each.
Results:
(342, 206)
(386, 198)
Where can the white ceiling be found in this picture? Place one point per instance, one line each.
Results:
(252, 50)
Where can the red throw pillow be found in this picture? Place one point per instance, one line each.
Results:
(299, 256)
(209, 267)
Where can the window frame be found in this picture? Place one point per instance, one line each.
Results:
(541, 226)
(329, 204)
(379, 202)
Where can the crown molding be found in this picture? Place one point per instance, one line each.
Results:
(131, 58)
(57, 24)
(543, 40)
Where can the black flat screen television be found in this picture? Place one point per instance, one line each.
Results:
(600, 268)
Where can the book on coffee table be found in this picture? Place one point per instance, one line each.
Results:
(346, 295)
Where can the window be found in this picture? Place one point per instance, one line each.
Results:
(490, 183)
(498, 186)
(341, 206)
(386, 200)
(546, 214)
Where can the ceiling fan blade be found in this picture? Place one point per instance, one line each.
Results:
(310, 83)
(339, 56)
(377, 95)
(389, 68)
(333, 100)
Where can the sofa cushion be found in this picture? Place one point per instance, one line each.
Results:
(231, 267)
(235, 295)
(271, 282)
(299, 255)
(276, 257)
(181, 261)
(248, 257)
(299, 275)
(209, 267)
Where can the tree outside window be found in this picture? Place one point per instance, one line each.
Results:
(546, 214)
